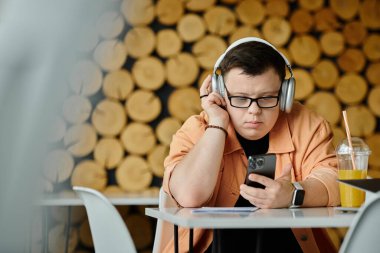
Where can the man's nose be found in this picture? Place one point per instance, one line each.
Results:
(254, 108)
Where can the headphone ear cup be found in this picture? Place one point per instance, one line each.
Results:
(217, 84)
(214, 83)
(287, 94)
(221, 89)
(284, 90)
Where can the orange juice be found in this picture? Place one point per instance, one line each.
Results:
(350, 196)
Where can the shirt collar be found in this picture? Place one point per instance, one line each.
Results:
(280, 138)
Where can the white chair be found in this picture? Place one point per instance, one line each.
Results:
(109, 232)
(362, 235)
(164, 230)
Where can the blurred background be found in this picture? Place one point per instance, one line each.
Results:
(116, 79)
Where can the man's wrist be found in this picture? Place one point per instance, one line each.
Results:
(217, 127)
(298, 195)
(218, 123)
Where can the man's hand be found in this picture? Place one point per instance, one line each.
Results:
(213, 104)
(277, 193)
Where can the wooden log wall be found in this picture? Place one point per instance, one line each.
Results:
(144, 61)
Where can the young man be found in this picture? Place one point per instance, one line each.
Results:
(207, 163)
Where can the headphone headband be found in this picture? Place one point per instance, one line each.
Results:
(252, 39)
(287, 85)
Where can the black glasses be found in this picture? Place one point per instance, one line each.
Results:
(246, 102)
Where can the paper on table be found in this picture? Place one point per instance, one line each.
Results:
(224, 209)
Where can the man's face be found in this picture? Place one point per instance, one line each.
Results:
(253, 122)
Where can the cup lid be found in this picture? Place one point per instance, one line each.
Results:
(359, 147)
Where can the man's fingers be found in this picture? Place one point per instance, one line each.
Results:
(216, 98)
(261, 179)
(204, 89)
(253, 200)
(253, 192)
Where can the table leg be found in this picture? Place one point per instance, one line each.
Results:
(216, 243)
(176, 239)
(68, 229)
(191, 246)
(259, 240)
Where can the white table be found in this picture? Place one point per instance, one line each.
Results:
(263, 218)
(70, 199)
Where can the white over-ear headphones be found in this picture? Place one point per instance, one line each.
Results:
(287, 86)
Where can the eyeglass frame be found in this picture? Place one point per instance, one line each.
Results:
(254, 99)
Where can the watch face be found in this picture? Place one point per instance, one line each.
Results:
(298, 198)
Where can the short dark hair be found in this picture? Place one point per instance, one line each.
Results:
(254, 58)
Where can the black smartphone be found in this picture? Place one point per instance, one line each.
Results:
(264, 165)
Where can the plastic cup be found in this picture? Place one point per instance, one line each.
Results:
(350, 196)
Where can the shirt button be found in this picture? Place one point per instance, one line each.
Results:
(303, 237)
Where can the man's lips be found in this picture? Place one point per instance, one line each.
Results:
(253, 124)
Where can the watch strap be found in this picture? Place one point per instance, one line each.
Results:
(297, 185)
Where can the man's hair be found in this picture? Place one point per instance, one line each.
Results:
(254, 58)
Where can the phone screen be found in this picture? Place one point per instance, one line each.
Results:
(264, 165)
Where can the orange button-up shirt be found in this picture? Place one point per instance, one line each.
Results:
(301, 138)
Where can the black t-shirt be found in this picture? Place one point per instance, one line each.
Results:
(253, 240)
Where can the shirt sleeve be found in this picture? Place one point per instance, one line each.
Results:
(319, 161)
(183, 141)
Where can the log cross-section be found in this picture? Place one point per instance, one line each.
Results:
(133, 174)
(118, 84)
(90, 174)
(109, 152)
(80, 140)
(109, 117)
(143, 106)
(140, 41)
(138, 138)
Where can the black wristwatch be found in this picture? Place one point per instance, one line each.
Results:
(298, 195)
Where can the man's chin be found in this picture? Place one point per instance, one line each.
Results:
(252, 134)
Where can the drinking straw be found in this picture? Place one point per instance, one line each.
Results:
(349, 139)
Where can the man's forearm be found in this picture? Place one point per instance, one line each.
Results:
(315, 193)
(193, 179)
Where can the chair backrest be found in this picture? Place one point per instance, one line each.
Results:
(164, 230)
(109, 232)
(362, 235)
